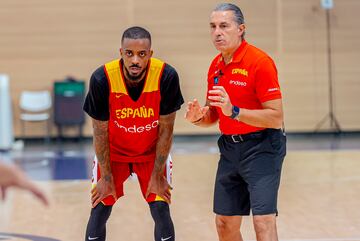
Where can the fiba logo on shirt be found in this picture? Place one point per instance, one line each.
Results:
(138, 129)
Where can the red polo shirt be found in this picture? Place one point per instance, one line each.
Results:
(249, 79)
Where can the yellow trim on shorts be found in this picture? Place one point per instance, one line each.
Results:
(158, 198)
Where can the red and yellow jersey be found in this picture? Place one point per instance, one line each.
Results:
(133, 125)
(250, 79)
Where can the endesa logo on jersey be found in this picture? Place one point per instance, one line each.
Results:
(140, 112)
(238, 83)
(138, 128)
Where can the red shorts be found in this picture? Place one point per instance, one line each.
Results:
(122, 170)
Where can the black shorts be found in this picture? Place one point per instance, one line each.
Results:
(248, 174)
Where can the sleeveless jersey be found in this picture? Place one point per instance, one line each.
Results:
(133, 125)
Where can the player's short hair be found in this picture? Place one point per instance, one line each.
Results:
(136, 32)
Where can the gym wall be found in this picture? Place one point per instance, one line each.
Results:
(45, 40)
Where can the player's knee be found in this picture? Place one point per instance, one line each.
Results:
(164, 228)
(159, 211)
(101, 213)
(96, 227)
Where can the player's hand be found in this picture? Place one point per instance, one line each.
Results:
(194, 111)
(159, 186)
(104, 187)
(220, 98)
(12, 176)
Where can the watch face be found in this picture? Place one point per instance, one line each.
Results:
(236, 109)
(235, 112)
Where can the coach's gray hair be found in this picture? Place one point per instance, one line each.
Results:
(239, 17)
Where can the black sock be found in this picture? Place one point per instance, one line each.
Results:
(96, 228)
(164, 228)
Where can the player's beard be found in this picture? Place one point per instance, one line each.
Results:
(134, 78)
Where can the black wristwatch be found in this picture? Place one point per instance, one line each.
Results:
(235, 112)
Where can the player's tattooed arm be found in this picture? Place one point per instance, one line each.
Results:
(166, 127)
(158, 183)
(105, 185)
(101, 146)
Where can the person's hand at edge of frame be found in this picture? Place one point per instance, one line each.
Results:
(12, 176)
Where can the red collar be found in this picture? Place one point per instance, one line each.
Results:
(238, 55)
(240, 52)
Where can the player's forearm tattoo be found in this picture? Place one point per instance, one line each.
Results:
(166, 126)
(159, 163)
(101, 146)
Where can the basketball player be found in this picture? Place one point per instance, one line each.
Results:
(133, 102)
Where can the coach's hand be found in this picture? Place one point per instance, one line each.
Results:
(194, 112)
(220, 98)
(104, 187)
(159, 186)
